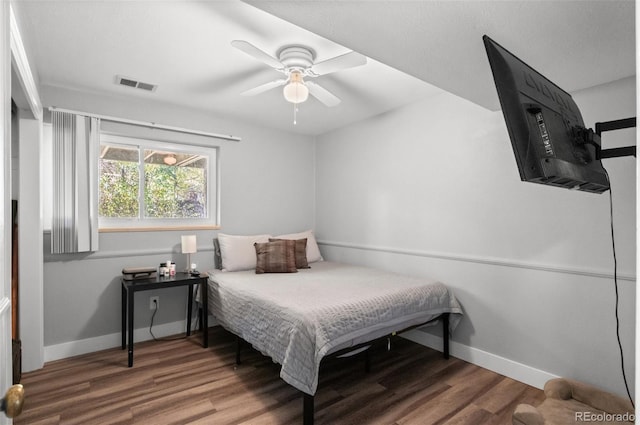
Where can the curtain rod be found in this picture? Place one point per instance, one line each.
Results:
(150, 124)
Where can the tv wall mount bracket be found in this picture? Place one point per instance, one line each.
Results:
(615, 125)
(586, 136)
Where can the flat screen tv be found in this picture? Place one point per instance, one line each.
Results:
(548, 136)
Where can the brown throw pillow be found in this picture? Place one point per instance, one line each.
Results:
(275, 257)
(300, 250)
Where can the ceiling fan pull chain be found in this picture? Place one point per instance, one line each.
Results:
(295, 111)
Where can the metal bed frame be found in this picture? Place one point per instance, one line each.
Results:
(308, 400)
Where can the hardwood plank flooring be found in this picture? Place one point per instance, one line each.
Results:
(178, 382)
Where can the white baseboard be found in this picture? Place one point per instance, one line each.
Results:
(103, 342)
(518, 371)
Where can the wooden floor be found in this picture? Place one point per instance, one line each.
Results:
(179, 382)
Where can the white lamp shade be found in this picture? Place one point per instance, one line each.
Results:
(189, 244)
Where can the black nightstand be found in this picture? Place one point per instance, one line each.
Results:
(130, 287)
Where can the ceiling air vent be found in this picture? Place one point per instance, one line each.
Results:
(129, 82)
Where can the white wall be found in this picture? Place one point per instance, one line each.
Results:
(433, 189)
(267, 185)
(30, 255)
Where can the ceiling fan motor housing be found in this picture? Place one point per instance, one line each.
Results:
(296, 57)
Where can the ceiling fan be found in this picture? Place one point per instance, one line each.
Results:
(296, 62)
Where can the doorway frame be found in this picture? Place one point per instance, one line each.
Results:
(30, 235)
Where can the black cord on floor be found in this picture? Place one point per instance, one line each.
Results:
(155, 310)
(615, 281)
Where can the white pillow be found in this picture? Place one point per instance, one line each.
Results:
(313, 252)
(238, 252)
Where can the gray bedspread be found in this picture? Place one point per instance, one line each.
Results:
(298, 318)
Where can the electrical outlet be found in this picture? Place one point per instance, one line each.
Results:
(154, 303)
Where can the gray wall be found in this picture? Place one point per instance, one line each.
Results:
(267, 186)
(433, 189)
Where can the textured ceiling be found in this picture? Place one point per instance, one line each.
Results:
(184, 47)
(575, 43)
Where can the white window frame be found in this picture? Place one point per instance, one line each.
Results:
(142, 223)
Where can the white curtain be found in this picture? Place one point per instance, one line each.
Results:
(76, 142)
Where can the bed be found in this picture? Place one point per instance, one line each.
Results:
(331, 308)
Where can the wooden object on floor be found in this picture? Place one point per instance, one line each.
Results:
(16, 358)
(16, 343)
(15, 284)
(179, 382)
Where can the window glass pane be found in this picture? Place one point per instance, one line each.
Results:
(146, 183)
(119, 182)
(175, 184)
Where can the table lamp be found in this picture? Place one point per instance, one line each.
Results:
(189, 247)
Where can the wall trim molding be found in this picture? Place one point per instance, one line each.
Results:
(512, 369)
(98, 255)
(23, 69)
(503, 262)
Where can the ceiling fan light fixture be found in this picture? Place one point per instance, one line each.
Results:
(170, 159)
(296, 91)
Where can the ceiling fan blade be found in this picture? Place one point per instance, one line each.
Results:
(348, 60)
(252, 50)
(322, 94)
(264, 87)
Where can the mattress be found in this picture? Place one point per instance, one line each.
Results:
(298, 318)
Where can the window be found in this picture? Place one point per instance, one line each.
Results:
(145, 183)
